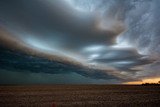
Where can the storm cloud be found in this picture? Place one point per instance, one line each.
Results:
(104, 39)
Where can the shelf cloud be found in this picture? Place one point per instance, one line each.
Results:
(96, 39)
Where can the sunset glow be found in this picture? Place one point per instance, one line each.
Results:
(147, 80)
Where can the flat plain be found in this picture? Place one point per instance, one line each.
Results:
(80, 96)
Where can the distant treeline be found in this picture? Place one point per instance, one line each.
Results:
(154, 84)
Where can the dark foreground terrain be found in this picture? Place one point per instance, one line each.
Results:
(80, 96)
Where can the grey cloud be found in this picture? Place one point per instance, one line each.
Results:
(21, 78)
(57, 24)
(143, 28)
(143, 32)
(121, 58)
(16, 61)
(44, 18)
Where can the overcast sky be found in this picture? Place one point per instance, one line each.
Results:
(79, 41)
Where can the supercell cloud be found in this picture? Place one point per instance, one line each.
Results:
(108, 41)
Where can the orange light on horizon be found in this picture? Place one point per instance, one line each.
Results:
(146, 80)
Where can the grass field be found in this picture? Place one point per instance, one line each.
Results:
(80, 96)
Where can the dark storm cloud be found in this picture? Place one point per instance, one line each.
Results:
(43, 19)
(22, 78)
(16, 61)
(82, 30)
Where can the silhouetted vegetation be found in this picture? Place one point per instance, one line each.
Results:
(153, 84)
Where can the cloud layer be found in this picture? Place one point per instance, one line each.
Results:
(104, 39)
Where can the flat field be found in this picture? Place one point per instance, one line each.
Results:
(80, 96)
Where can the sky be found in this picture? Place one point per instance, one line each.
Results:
(79, 41)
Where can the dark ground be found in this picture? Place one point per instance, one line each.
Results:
(80, 96)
